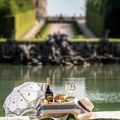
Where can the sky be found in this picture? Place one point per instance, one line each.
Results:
(66, 7)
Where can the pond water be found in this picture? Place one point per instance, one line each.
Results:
(100, 83)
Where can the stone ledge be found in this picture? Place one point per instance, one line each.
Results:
(115, 115)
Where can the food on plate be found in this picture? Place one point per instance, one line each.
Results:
(59, 97)
(69, 99)
(45, 101)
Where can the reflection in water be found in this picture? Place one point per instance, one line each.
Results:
(101, 83)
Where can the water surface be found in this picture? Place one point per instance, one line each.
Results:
(101, 84)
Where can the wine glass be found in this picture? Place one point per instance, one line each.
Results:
(73, 88)
(70, 87)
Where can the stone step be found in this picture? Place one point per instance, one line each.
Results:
(115, 115)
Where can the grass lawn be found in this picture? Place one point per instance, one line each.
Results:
(83, 39)
(80, 39)
(43, 33)
(31, 40)
(76, 39)
(114, 40)
(41, 36)
(3, 40)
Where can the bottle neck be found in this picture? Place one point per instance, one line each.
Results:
(48, 87)
(48, 81)
(49, 90)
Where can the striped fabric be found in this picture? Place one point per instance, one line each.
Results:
(58, 109)
(79, 108)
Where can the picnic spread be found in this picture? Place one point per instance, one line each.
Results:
(62, 107)
(37, 99)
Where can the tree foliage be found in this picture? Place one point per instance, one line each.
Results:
(4, 7)
(97, 6)
(11, 7)
(102, 7)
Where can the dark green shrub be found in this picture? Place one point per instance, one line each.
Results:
(7, 26)
(17, 17)
(76, 28)
(103, 15)
(95, 22)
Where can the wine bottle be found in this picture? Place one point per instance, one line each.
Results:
(49, 93)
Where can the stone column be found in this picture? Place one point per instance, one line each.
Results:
(41, 8)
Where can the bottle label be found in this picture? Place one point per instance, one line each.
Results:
(49, 97)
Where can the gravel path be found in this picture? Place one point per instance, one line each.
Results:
(62, 28)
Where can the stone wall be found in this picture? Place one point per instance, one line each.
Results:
(55, 52)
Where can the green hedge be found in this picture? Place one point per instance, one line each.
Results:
(6, 26)
(12, 7)
(96, 13)
(17, 16)
(104, 15)
(17, 25)
(23, 22)
(97, 6)
(102, 7)
(95, 22)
